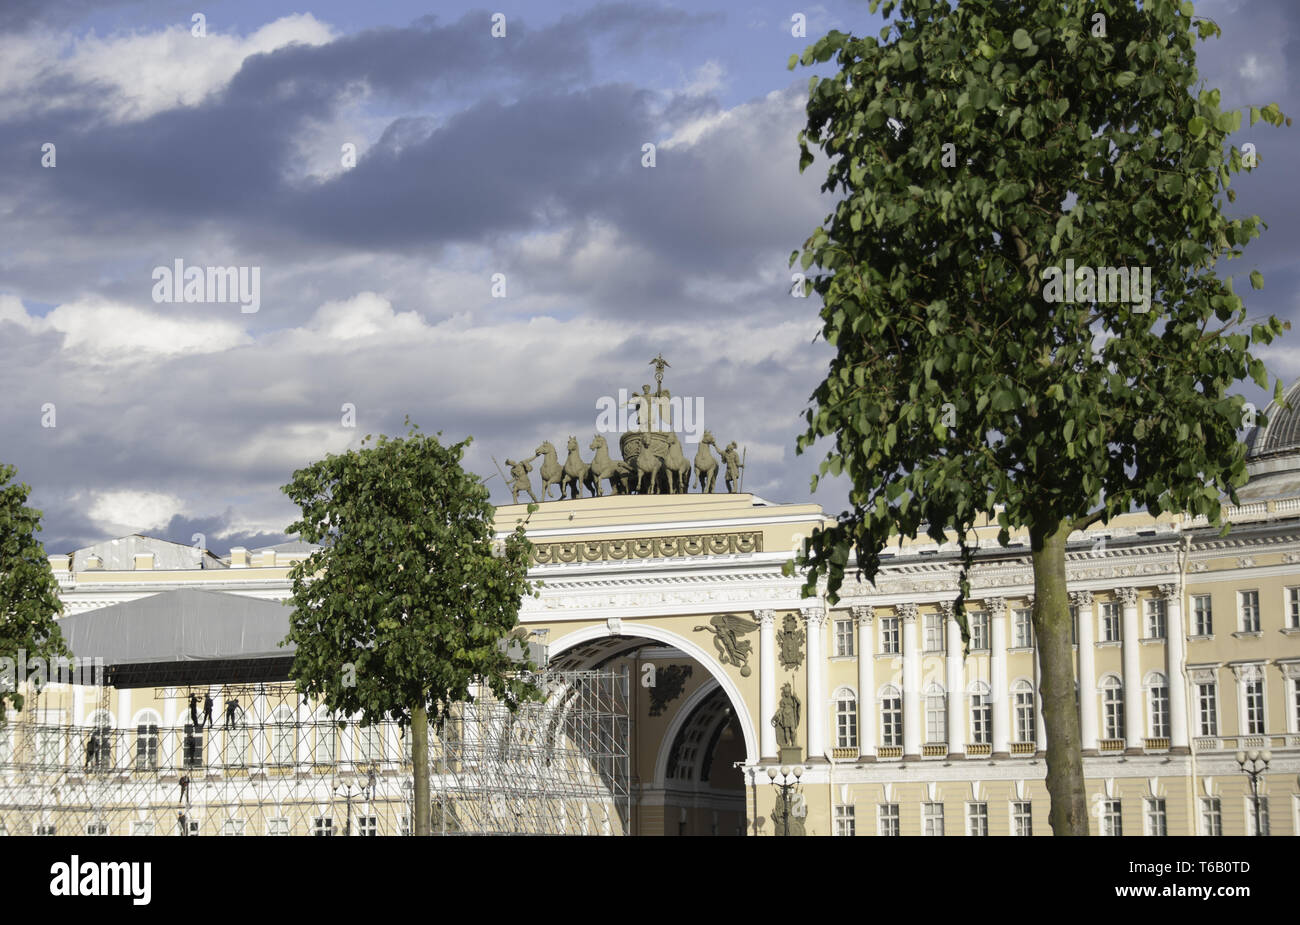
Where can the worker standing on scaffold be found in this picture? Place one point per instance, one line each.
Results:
(232, 707)
(194, 710)
(207, 710)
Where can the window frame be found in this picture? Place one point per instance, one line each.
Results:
(1022, 816)
(845, 638)
(977, 817)
(1203, 619)
(1248, 616)
(889, 816)
(1156, 817)
(932, 825)
(1112, 622)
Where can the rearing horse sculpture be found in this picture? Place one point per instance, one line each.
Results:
(605, 467)
(550, 471)
(706, 467)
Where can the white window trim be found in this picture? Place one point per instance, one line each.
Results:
(1241, 610)
(1243, 675)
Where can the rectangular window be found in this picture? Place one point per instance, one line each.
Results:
(977, 818)
(322, 825)
(936, 719)
(46, 828)
(844, 821)
(1207, 709)
(192, 751)
(1022, 818)
(934, 632)
(888, 815)
(1202, 616)
(142, 827)
(1022, 626)
(1160, 712)
(237, 747)
(1024, 716)
(1293, 608)
(1249, 611)
(980, 719)
(932, 818)
(1110, 621)
(48, 747)
(1156, 619)
(1112, 820)
(979, 631)
(846, 723)
(277, 826)
(232, 827)
(1263, 816)
(889, 635)
(1254, 697)
(843, 637)
(326, 736)
(891, 721)
(99, 827)
(368, 825)
(1211, 816)
(1157, 821)
(146, 747)
(282, 743)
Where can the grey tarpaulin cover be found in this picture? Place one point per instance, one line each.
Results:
(180, 626)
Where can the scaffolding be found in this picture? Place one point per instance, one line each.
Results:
(262, 761)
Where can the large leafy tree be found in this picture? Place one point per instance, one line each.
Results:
(408, 601)
(29, 592)
(978, 147)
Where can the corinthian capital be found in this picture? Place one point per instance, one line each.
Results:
(996, 606)
(1128, 595)
(907, 611)
(1167, 591)
(864, 614)
(815, 613)
(766, 617)
(1081, 598)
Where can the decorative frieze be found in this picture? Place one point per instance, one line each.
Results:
(649, 547)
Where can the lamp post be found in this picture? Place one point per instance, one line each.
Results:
(367, 793)
(1255, 763)
(786, 786)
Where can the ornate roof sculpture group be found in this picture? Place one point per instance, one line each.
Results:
(652, 463)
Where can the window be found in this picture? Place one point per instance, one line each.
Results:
(979, 630)
(146, 742)
(977, 818)
(1112, 821)
(1207, 708)
(49, 748)
(277, 826)
(99, 744)
(1202, 616)
(282, 737)
(1022, 818)
(1263, 815)
(98, 827)
(45, 828)
(1157, 821)
(369, 825)
(932, 818)
(1249, 611)
(1253, 697)
(1022, 629)
(934, 632)
(936, 715)
(1023, 695)
(844, 821)
(1112, 708)
(326, 739)
(1110, 622)
(888, 816)
(1211, 816)
(192, 752)
(1156, 618)
(322, 825)
(237, 747)
(1295, 706)
(846, 720)
(1158, 697)
(891, 717)
(843, 637)
(1293, 608)
(372, 744)
(142, 827)
(981, 715)
(889, 635)
(232, 827)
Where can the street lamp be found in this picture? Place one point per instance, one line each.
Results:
(366, 792)
(1255, 763)
(789, 781)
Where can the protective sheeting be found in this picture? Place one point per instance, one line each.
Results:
(180, 626)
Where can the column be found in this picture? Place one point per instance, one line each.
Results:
(997, 608)
(766, 682)
(1087, 670)
(1174, 655)
(865, 617)
(1132, 669)
(907, 613)
(956, 689)
(169, 750)
(815, 619)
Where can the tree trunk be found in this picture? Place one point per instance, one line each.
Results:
(420, 765)
(1052, 627)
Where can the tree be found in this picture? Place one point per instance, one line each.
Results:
(984, 152)
(29, 592)
(407, 603)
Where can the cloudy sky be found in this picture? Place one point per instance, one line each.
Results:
(475, 156)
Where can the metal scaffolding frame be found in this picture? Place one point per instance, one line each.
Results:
(556, 766)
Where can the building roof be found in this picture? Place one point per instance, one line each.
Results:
(119, 554)
(1273, 451)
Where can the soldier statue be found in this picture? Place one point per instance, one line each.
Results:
(519, 472)
(732, 460)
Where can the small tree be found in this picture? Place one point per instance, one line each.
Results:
(29, 592)
(407, 603)
(985, 150)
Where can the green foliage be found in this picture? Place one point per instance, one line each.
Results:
(29, 592)
(1064, 145)
(406, 604)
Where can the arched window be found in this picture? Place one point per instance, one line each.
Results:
(891, 716)
(936, 714)
(1158, 704)
(1112, 707)
(146, 740)
(1022, 696)
(282, 736)
(981, 714)
(846, 719)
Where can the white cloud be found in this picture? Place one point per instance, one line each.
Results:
(126, 511)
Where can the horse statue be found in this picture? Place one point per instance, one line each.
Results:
(678, 466)
(647, 467)
(550, 471)
(576, 473)
(706, 467)
(605, 467)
